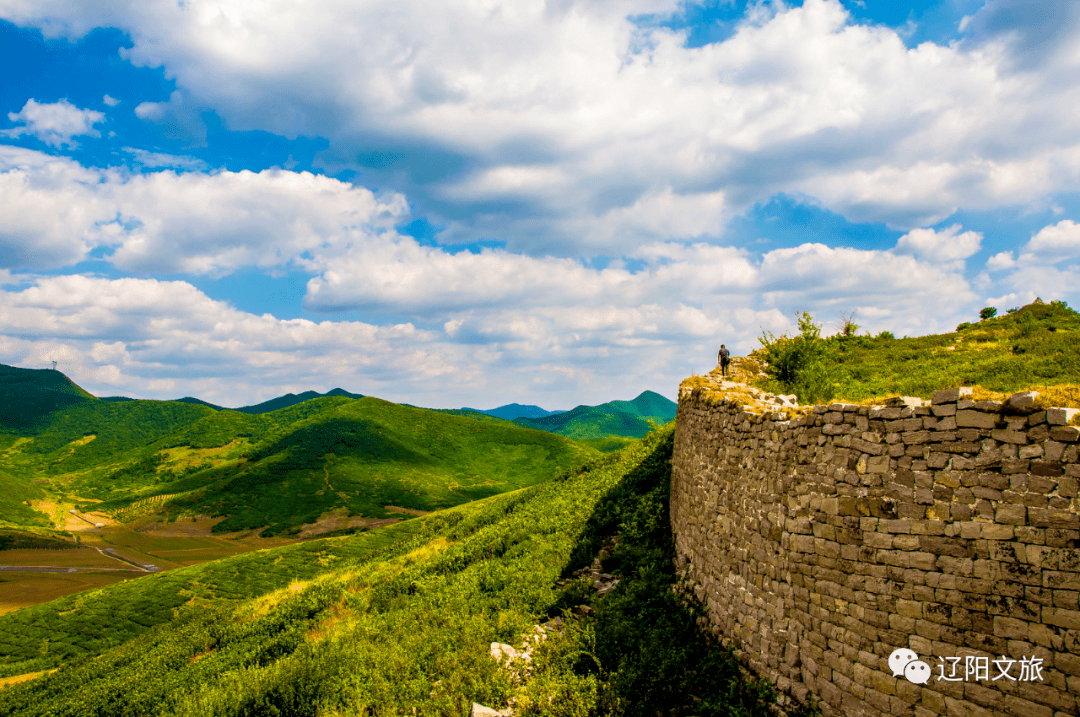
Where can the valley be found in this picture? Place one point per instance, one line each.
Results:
(110, 486)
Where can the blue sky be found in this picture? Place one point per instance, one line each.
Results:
(553, 203)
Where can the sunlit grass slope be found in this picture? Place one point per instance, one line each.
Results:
(273, 471)
(615, 418)
(1037, 347)
(408, 628)
(44, 636)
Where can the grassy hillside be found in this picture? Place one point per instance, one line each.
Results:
(1036, 347)
(31, 394)
(273, 471)
(616, 418)
(88, 623)
(405, 629)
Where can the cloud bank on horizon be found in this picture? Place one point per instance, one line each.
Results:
(544, 202)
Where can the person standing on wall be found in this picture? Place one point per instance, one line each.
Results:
(723, 358)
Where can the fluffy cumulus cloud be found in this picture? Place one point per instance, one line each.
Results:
(149, 337)
(54, 123)
(562, 126)
(499, 327)
(948, 245)
(55, 212)
(1048, 266)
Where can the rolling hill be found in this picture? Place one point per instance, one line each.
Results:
(31, 394)
(629, 419)
(274, 471)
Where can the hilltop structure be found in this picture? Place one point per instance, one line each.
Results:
(832, 543)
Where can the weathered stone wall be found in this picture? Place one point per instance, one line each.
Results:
(822, 543)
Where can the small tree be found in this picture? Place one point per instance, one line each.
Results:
(988, 313)
(848, 327)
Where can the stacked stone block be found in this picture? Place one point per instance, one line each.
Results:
(822, 543)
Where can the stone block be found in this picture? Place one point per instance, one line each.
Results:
(1060, 617)
(1061, 416)
(1023, 402)
(950, 395)
(975, 419)
(1065, 434)
(1006, 435)
(1046, 468)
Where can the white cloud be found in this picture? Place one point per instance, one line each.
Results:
(1001, 260)
(506, 327)
(158, 160)
(50, 210)
(944, 246)
(1035, 272)
(563, 127)
(1053, 243)
(177, 119)
(54, 123)
(55, 212)
(110, 101)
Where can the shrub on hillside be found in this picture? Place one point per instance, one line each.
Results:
(798, 363)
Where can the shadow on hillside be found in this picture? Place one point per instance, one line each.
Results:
(655, 658)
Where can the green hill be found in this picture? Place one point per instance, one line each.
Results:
(31, 394)
(629, 419)
(403, 625)
(273, 471)
(1034, 347)
(291, 399)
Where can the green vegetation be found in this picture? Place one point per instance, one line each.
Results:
(1035, 347)
(31, 394)
(271, 471)
(88, 623)
(800, 364)
(629, 419)
(407, 626)
(19, 540)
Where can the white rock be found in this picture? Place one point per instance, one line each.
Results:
(503, 654)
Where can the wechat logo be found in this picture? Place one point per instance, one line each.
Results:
(906, 663)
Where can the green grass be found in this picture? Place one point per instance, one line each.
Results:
(1038, 346)
(408, 627)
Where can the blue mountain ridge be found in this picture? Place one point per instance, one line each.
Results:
(515, 410)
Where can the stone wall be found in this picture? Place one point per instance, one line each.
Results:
(822, 542)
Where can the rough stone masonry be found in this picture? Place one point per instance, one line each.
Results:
(821, 543)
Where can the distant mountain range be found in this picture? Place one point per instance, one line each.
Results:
(629, 419)
(33, 393)
(515, 410)
(289, 399)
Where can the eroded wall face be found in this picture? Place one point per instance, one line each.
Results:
(822, 544)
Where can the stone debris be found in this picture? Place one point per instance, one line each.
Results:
(503, 654)
(555, 624)
(479, 710)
